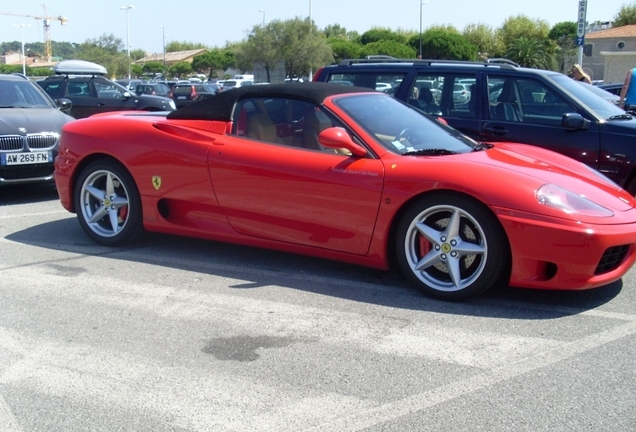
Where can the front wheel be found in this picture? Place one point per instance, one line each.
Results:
(107, 203)
(451, 247)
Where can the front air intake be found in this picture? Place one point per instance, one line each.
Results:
(611, 259)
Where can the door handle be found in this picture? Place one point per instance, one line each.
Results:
(496, 130)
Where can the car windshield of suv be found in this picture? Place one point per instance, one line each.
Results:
(402, 129)
(595, 103)
(21, 94)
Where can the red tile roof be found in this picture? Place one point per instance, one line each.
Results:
(614, 32)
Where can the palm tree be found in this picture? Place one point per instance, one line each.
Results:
(530, 52)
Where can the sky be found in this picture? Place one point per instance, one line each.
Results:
(213, 23)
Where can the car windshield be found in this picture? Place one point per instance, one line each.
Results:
(402, 129)
(21, 94)
(595, 103)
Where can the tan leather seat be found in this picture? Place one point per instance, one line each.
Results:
(314, 124)
(262, 128)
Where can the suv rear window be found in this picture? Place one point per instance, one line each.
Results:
(187, 89)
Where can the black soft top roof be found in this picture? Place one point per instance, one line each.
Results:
(220, 106)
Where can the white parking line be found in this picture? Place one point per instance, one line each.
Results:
(422, 401)
(7, 419)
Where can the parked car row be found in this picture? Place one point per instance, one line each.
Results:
(415, 179)
(85, 85)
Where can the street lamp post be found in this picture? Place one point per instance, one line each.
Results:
(127, 8)
(163, 36)
(310, 77)
(263, 12)
(22, 26)
(422, 2)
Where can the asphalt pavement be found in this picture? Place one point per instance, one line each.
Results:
(176, 334)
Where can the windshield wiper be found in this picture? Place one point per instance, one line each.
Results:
(621, 117)
(427, 152)
(482, 146)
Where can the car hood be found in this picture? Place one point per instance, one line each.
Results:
(547, 167)
(508, 176)
(33, 120)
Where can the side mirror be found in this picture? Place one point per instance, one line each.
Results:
(64, 104)
(574, 121)
(335, 137)
(127, 95)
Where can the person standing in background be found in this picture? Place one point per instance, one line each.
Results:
(579, 74)
(628, 92)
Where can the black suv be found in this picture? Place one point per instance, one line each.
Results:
(91, 93)
(185, 94)
(495, 101)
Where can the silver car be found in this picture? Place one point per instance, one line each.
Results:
(29, 131)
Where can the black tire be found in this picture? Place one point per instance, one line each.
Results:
(107, 203)
(451, 247)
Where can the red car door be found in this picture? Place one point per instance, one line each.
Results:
(297, 195)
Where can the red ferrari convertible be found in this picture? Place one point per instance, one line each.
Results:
(351, 175)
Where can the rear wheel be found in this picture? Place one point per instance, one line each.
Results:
(107, 203)
(451, 247)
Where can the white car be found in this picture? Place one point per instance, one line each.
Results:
(235, 83)
(461, 93)
(380, 86)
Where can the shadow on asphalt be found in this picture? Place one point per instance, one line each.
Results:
(27, 193)
(264, 268)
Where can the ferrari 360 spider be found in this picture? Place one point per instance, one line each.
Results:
(352, 175)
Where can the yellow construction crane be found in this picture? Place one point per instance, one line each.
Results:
(46, 23)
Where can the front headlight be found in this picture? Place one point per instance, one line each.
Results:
(562, 199)
(172, 105)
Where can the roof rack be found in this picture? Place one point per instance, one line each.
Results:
(501, 63)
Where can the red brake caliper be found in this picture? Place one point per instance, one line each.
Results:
(424, 245)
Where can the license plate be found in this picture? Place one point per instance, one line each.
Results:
(181, 97)
(26, 158)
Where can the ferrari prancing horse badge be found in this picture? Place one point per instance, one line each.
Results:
(156, 182)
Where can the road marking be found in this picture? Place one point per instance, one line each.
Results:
(422, 401)
(7, 419)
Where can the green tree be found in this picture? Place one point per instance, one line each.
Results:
(444, 45)
(344, 49)
(379, 34)
(305, 48)
(335, 31)
(483, 37)
(152, 67)
(625, 16)
(449, 28)
(530, 52)
(563, 35)
(297, 42)
(388, 47)
(521, 27)
(263, 46)
(175, 46)
(180, 69)
(136, 70)
(107, 50)
(212, 61)
(137, 54)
